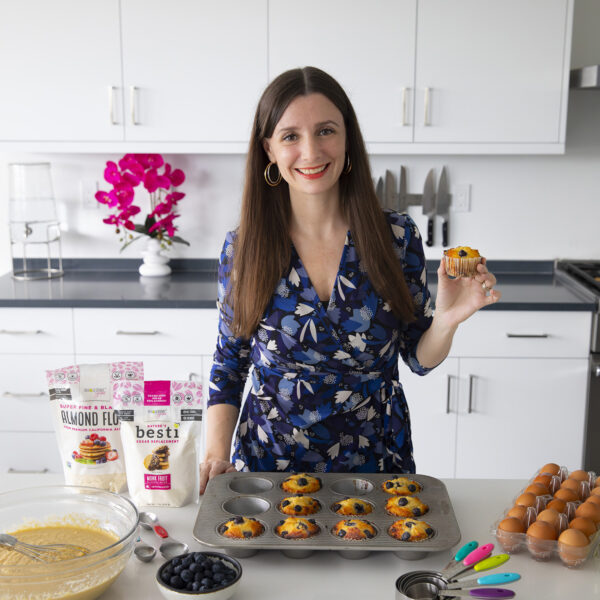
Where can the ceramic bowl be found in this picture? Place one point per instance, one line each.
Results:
(223, 591)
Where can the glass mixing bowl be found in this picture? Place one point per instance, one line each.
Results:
(82, 578)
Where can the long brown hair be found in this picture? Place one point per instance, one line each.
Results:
(262, 248)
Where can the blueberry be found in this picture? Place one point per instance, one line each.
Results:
(342, 533)
(198, 577)
(195, 586)
(428, 531)
(336, 507)
(218, 577)
(207, 572)
(238, 520)
(417, 512)
(402, 501)
(409, 524)
(358, 507)
(194, 567)
(186, 575)
(87, 437)
(166, 576)
(223, 528)
(462, 253)
(302, 481)
(368, 534)
(297, 508)
(312, 521)
(176, 582)
(175, 562)
(412, 488)
(198, 556)
(207, 581)
(405, 536)
(285, 503)
(389, 484)
(247, 534)
(187, 561)
(189, 586)
(218, 566)
(177, 570)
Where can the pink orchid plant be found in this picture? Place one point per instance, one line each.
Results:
(131, 171)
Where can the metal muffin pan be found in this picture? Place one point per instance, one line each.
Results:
(257, 495)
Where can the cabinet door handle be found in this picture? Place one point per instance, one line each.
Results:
(426, 120)
(120, 332)
(11, 470)
(448, 390)
(14, 332)
(404, 105)
(470, 405)
(111, 104)
(23, 395)
(527, 335)
(132, 99)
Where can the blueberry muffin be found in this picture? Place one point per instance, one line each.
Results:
(354, 529)
(401, 486)
(352, 506)
(410, 530)
(241, 528)
(296, 528)
(461, 261)
(299, 505)
(301, 483)
(406, 506)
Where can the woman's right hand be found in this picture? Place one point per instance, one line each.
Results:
(212, 467)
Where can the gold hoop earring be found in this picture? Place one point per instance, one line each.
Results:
(271, 182)
(347, 164)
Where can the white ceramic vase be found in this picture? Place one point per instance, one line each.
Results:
(155, 263)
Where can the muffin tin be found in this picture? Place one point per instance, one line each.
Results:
(257, 495)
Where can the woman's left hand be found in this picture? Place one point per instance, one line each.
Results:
(457, 299)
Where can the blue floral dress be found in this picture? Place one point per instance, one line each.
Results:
(325, 394)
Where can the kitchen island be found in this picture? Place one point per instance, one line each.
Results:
(327, 576)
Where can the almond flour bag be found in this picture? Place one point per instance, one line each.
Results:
(160, 433)
(87, 425)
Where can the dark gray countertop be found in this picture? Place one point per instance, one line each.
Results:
(115, 283)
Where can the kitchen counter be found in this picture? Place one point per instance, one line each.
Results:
(271, 575)
(108, 283)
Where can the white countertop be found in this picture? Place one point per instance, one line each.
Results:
(271, 575)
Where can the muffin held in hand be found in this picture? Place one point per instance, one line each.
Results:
(406, 506)
(301, 483)
(241, 528)
(352, 506)
(400, 486)
(409, 530)
(462, 261)
(354, 529)
(297, 528)
(299, 505)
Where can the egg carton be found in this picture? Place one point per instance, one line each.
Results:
(258, 495)
(541, 549)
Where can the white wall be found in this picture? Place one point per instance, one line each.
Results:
(522, 207)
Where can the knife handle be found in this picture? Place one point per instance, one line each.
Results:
(445, 234)
(429, 241)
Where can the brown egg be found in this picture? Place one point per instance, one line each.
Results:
(596, 490)
(552, 516)
(597, 484)
(508, 532)
(519, 512)
(594, 500)
(566, 494)
(572, 484)
(586, 525)
(544, 480)
(541, 530)
(557, 504)
(573, 546)
(580, 475)
(589, 511)
(526, 499)
(551, 468)
(537, 489)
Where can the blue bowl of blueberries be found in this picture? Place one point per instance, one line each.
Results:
(207, 574)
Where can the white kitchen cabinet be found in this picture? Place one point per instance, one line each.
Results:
(31, 452)
(60, 71)
(431, 76)
(500, 406)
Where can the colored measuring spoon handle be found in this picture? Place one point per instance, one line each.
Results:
(160, 531)
(465, 550)
(492, 593)
(492, 562)
(498, 578)
(478, 554)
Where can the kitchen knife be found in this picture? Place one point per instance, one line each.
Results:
(443, 205)
(429, 205)
(379, 190)
(390, 191)
(403, 198)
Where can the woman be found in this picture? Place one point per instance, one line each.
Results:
(320, 290)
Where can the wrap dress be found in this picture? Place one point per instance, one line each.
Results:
(325, 394)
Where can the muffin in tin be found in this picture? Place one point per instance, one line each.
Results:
(406, 506)
(401, 486)
(301, 483)
(354, 529)
(352, 506)
(410, 530)
(299, 505)
(241, 528)
(297, 528)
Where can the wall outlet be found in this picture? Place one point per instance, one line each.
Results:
(87, 192)
(461, 199)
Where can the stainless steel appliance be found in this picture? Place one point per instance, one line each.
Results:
(585, 275)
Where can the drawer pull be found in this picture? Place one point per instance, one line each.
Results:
(23, 395)
(527, 335)
(11, 332)
(120, 332)
(11, 470)
(470, 407)
(448, 390)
